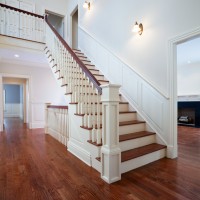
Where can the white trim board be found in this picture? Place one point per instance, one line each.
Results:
(172, 82)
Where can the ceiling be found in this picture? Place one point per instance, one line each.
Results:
(188, 53)
(26, 56)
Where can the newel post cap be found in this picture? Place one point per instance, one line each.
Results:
(110, 92)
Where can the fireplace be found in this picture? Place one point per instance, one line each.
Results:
(189, 113)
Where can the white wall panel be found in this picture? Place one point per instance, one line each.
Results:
(130, 84)
(37, 114)
(12, 110)
(115, 70)
(148, 101)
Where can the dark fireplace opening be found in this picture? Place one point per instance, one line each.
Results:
(186, 116)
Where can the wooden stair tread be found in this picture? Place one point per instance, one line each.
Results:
(140, 151)
(136, 135)
(130, 122)
(84, 114)
(64, 85)
(94, 143)
(94, 70)
(97, 74)
(89, 64)
(127, 112)
(87, 128)
(79, 53)
(76, 50)
(121, 102)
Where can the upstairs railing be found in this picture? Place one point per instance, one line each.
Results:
(84, 88)
(18, 23)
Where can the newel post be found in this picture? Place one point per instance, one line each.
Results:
(110, 151)
(46, 118)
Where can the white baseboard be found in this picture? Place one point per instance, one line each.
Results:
(79, 152)
(36, 125)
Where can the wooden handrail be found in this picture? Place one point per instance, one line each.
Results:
(75, 57)
(57, 107)
(21, 11)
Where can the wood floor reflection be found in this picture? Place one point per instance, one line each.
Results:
(34, 166)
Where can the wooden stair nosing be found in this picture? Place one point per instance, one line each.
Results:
(130, 122)
(76, 50)
(127, 112)
(73, 103)
(93, 69)
(103, 81)
(131, 136)
(60, 77)
(140, 151)
(64, 85)
(94, 143)
(90, 128)
(57, 71)
(98, 75)
(87, 114)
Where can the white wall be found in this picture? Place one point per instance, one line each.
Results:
(58, 6)
(43, 89)
(110, 22)
(188, 79)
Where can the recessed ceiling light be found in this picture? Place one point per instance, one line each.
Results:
(189, 61)
(16, 56)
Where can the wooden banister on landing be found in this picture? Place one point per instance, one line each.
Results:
(75, 57)
(21, 11)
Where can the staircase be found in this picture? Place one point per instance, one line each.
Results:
(127, 143)
(138, 145)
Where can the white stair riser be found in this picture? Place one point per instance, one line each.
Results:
(123, 107)
(131, 128)
(138, 142)
(142, 160)
(127, 117)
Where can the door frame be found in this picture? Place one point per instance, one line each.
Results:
(172, 85)
(71, 25)
(27, 92)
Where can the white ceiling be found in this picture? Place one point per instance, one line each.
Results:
(26, 56)
(189, 52)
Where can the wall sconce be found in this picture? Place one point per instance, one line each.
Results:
(86, 5)
(137, 28)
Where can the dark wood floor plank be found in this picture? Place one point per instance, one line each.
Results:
(34, 166)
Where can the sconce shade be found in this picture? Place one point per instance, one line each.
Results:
(86, 5)
(137, 28)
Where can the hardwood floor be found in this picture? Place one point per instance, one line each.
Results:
(34, 166)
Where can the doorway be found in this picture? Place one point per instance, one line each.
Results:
(173, 76)
(13, 100)
(15, 95)
(74, 29)
(57, 21)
